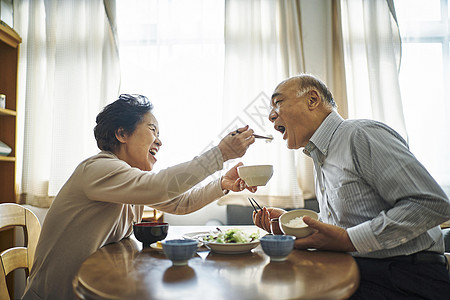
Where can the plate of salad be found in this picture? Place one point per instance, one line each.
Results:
(231, 241)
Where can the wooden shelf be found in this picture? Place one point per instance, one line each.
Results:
(7, 158)
(9, 59)
(9, 36)
(7, 112)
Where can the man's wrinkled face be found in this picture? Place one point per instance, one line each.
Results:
(290, 114)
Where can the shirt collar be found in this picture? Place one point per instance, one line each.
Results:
(322, 136)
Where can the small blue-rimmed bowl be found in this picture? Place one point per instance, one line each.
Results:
(277, 247)
(179, 251)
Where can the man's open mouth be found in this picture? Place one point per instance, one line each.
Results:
(280, 128)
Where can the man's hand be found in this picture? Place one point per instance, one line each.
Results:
(262, 218)
(326, 237)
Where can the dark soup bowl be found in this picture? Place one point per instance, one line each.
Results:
(150, 232)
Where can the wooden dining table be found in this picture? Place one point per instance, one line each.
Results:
(126, 270)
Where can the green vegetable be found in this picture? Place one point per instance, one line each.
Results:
(235, 235)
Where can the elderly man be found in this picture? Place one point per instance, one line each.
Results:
(376, 199)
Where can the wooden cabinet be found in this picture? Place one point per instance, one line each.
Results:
(9, 56)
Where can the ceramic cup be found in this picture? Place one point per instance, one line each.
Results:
(179, 251)
(277, 247)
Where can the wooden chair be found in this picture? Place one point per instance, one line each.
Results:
(152, 215)
(11, 215)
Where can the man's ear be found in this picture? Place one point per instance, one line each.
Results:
(121, 135)
(313, 99)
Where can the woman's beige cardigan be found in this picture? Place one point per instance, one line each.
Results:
(98, 205)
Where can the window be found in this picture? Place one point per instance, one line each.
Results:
(424, 82)
(173, 52)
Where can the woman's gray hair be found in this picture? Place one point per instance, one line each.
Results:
(125, 113)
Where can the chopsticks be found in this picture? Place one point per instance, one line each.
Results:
(256, 203)
(263, 137)
(268, 138)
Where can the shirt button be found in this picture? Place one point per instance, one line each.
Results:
(403, 240)
(329, 214)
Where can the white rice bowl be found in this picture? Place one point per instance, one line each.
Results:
(291, 222)
(296, 222)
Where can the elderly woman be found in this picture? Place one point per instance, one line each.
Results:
(107, 192)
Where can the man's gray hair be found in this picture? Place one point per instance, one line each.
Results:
(307, 83)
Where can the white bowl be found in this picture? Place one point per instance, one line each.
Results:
(298, 232)
(231, 248)
(256, 175)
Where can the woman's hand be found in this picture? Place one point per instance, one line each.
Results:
(326, 237)
(232, 182)
(262, 218)
(236, 143)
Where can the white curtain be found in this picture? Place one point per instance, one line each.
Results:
(173, 52)
(68, 71)
(426, 50)
(372, 59)
(352, 45)
(254, 65)
(320, 41)
(310, 41)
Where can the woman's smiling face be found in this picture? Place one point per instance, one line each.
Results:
(139, 148)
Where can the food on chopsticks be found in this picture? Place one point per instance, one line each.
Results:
(231, 236)
(296, 222)
(268, 138)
